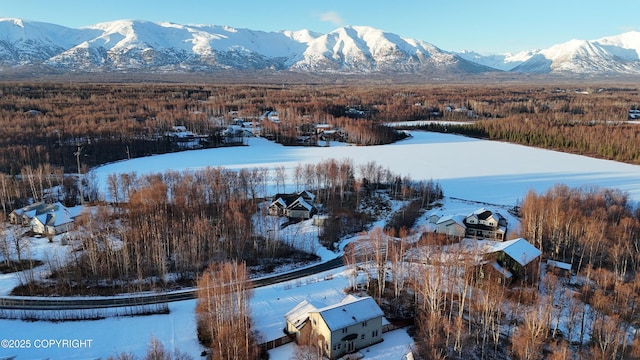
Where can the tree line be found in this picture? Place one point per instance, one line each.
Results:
(166, 228)
(45, 122)
(463, 310)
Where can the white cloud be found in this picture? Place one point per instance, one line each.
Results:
(332, 17)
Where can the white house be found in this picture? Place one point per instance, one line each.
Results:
(480, 224)
(339, 329)
(24, 215)
(46, 219)
(451, 225)
(57, 221)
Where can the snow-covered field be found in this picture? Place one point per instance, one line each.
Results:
(491, 172)
(467, 168)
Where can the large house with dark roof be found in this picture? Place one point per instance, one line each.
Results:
(298, 205)
(486, 224)
(342, 328)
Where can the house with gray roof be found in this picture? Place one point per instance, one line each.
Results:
(513, 259)
(46, 219)
(24, 215)
(452, 225)
(342, 328)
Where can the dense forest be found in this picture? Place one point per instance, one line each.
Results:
(52, 129)
(164, 229)
(462, 311)
(45, 123)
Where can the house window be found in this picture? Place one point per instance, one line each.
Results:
(344, 330)
(374, 333)
(364, 323)
(362, 337)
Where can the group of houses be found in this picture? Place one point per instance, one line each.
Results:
(487, 231)
(480, 224)
(358, 322)
(338, 329)
(45, 219)
(185, 139)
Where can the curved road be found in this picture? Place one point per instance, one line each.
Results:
(45, 303)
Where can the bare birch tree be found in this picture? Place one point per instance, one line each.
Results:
(223, 313)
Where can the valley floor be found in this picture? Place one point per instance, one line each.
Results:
(452, 160)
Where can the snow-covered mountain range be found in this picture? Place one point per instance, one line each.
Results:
(128, 45)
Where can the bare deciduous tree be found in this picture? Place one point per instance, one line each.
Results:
(222, 312)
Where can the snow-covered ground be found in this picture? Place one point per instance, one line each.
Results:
(177, 330)
(489, 171)
(475, 170)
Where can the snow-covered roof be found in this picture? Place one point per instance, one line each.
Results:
(519, 250)
(59, 216)
(279, 201)
(559, 265)
(351, 310)
(482, 213)
(307, 195)
(506, 273)
(459, 219)
(38, 208)
(300, 313)
(302, 202)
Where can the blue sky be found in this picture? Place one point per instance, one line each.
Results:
(490, 26)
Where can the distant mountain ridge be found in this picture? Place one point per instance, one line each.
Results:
(136, 45)
(619, 54)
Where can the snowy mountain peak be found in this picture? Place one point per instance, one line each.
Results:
(132, 45)
(617, 54)
(625, 46)
(163, 46)
(504, 62)
(14, 21)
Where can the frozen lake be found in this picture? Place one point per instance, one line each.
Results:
(467, 168)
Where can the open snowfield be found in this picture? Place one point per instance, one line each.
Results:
(491, 172)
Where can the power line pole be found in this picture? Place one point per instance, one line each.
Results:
(77, 154)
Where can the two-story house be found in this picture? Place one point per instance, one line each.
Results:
(486, 224)
(339, 329)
